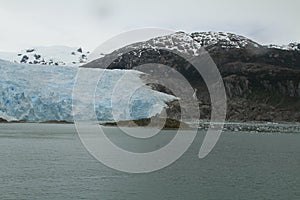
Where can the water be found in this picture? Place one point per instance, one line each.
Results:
(43, 161)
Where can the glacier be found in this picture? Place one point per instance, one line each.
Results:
(37, 93)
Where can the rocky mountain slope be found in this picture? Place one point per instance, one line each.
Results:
(262, 82)
(52, 55)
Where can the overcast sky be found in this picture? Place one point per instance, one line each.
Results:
(87, 23)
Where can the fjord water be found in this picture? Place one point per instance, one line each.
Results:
(48, 161)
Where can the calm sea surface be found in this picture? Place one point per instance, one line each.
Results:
(44, 161)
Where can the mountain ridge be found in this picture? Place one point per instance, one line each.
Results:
(76, 55)
(48, 55)
(262, 82)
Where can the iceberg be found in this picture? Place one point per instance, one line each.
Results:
(37, 93)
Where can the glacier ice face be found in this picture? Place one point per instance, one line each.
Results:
(41, 93)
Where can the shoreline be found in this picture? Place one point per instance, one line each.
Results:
(4, 121)
(268, 127)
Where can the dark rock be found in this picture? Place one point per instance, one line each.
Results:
(13, 121)
(57, 122)
(30, 50)
(155, 122)
(24, 59)
(3, 120)
(37, 57)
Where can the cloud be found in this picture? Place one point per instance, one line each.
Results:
(90, 22)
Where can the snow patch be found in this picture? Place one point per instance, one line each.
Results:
(53, 55)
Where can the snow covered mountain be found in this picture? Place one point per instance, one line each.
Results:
(52, 55)
(230, 40)
(31, 90)
(63, 55)
(225, 40)
(42, 93)
(190, 43)
(291, 46)
(255, 76)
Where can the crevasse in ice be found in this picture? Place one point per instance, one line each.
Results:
(41, 93)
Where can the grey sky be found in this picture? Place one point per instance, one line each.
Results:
(87, 23)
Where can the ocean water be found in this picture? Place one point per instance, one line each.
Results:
(48, 161)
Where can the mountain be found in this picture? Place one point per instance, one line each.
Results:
(262, 82)
(52, 55)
